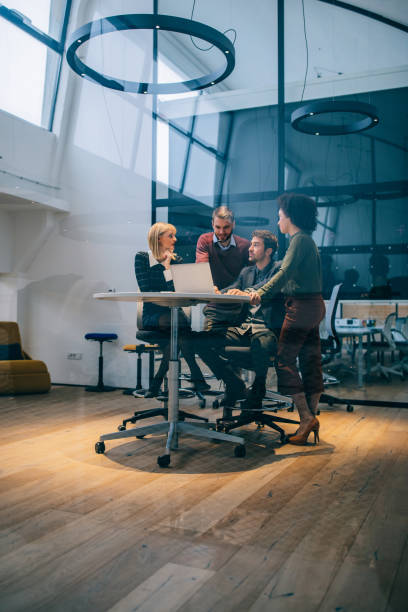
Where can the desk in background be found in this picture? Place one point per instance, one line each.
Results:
(358, 333)
(371, 309)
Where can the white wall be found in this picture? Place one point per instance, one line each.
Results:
(6, 242)
(102, 163)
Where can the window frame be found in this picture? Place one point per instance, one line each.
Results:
(17, 19)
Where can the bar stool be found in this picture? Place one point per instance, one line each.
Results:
(101, 338)
(139, 349)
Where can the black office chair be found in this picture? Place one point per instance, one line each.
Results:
(158, 340)
(241, 358)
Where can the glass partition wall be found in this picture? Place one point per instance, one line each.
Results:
(223, 145)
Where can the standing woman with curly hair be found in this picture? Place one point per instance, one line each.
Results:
(299, 278)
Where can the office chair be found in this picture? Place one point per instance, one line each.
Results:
(329, 341)
(158, 340)
(161, 339)
(241, 358)
(331, 347)
(400, 335)
(394, 338)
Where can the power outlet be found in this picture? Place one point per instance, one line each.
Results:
(74, 356)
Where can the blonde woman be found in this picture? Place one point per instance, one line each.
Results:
(153, 273)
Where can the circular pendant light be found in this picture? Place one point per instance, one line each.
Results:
(150, 22)
(303, 118)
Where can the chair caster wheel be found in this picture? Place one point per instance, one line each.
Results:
(317, 412)
(121, 427)
(240, 451)
(283, 438)
(202, 403)
(140, 437)
(100, 448)
(350, 408)
(216, 404)
(291, 409)
(163, 460)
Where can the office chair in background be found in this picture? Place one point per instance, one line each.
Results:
(395, 342)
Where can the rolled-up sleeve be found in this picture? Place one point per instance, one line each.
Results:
(202, 253)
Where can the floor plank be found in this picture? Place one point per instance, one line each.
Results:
(165, 590)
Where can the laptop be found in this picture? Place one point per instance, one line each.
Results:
(192, 278)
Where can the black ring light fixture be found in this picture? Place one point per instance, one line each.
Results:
(168, 23)
(300, 116)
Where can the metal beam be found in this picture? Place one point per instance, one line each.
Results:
(281, 114)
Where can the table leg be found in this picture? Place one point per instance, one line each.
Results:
(368, 356)
(173, 378)
(360, 361)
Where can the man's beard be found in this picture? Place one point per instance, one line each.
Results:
(227, 239)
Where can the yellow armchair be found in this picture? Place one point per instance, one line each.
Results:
(18, 372)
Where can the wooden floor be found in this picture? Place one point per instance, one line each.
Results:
(303, 529)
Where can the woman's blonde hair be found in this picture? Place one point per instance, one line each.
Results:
(154, 234)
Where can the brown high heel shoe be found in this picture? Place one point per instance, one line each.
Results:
(301, 436)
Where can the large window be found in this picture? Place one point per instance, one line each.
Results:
(32, 37)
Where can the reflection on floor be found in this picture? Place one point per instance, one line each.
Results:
(301, 528)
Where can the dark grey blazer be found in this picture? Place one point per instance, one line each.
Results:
(273, 311)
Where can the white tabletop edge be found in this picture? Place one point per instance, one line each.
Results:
(137, 295)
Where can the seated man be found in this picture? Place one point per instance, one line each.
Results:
(258, 326)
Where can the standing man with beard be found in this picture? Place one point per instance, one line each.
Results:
(227, 254)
